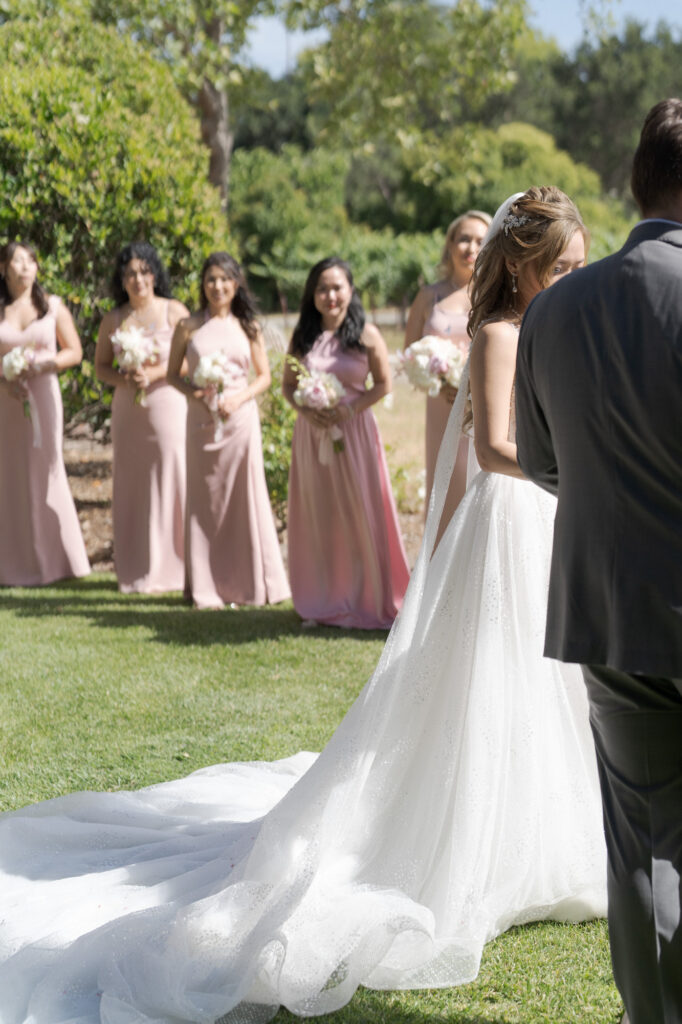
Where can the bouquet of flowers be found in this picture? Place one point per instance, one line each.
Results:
(318, 390)
(134, 349)
(213, 374)
(15, 364)
(431, 362)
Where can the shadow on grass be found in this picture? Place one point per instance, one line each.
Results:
(167, 615)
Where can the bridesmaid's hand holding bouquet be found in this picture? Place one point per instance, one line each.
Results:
(320, 392)
(134, 349)
(212, 375)
(17, 366)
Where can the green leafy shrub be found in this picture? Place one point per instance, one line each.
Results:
(98, 148)
(288, 213)
(479, 167)
(277, 426)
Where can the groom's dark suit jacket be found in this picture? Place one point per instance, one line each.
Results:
(599, 423)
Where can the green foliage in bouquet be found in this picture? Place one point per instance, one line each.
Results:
(98, 148)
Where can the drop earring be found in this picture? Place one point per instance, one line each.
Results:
(514, 288)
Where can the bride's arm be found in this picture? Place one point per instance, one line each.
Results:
(492, 368)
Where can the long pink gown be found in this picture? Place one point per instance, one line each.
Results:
(233, 554)
(149, 482)
(452, 326)
(40, 536)
(347, 562)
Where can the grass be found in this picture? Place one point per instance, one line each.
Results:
(104, 691)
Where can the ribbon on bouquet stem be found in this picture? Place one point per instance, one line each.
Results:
(212, 399)
(330, 442)
(31, 408)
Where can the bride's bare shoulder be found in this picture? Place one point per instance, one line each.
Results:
(497, 328)
(495, 339)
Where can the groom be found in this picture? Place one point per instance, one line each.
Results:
(599, 423)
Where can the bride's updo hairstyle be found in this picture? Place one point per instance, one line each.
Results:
(536, 228)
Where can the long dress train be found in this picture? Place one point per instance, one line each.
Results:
(458, 796)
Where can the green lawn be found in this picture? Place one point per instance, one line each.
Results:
(104, 691)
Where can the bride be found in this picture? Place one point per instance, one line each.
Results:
(458, 796)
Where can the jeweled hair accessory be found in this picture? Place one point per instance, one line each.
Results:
(498, 222)
(512, 221)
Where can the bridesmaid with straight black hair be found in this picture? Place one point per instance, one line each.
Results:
(347, 563)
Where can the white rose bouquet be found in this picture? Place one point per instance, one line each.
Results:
(15, 364)
(213, 374)
(134, 349)
(318, 390)
(431, 362)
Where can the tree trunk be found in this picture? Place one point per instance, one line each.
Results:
(215, 131)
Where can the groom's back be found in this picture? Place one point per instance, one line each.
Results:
(604, 350)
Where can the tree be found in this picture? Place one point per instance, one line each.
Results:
(272, 113)
(394, 70)
(604, 93)
(199, 40)
(97, 148)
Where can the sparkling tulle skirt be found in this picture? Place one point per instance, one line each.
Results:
(458, 796)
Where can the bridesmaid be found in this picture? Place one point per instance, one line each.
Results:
(346, 558)
(147, 429)
(232, 551)
(443, 309)
(40, 537)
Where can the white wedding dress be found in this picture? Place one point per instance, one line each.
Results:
(458, 796)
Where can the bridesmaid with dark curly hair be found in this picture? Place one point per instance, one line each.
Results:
(147, 426)
(231, 547)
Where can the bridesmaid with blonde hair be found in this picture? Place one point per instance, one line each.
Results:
(232, 551)
(442, 309)
(147, 427)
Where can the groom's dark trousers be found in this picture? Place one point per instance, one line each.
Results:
(637, 726)
(599, 423)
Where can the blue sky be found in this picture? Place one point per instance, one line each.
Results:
(272, 48)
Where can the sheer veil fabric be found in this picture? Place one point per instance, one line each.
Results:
(458, 796)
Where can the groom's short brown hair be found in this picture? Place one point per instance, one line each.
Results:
(657, 165)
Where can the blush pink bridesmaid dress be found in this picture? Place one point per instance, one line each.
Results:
(232, 551)
(347, 562)
(452, 326)
(40, 536)
(149, 482)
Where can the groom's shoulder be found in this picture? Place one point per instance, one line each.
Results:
(652, 250)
